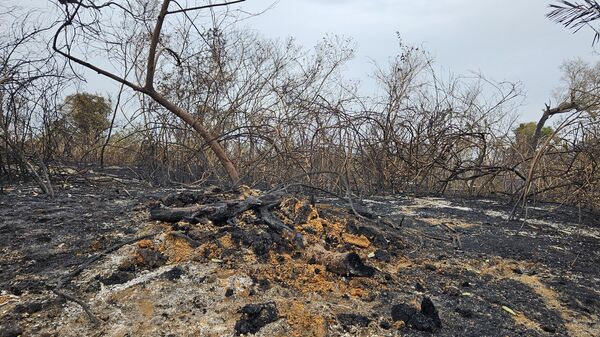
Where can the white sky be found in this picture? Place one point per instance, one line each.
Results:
(504, 39)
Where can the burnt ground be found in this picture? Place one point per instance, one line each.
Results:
(443, 267)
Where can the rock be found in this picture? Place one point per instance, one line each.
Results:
(348, 320)
(229, 292)
(256, 316)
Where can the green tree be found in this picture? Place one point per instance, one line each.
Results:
(525, 131)
(87, 114)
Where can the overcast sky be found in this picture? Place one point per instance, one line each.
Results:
(503, 39)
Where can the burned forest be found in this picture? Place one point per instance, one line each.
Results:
(174, 168)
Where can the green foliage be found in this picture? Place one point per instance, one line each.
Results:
(88, 114)
(525, 131)
(85, 119)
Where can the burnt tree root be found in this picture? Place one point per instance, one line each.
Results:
(265, 207)
(223, 211)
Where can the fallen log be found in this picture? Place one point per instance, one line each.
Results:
(177, 214)
(217, 212)
(344, 264)
(223, 211)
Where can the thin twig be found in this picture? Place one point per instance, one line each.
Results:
(204, 7)
(84, 305)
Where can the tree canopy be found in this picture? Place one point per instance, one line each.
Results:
(88, 113)
(525, 131)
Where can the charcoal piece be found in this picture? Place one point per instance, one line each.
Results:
(403, 312)
(348, 320)
(427, 319)
(382, 255)
(255, 317)
(174, 273)
(357, 268)
(118, 277)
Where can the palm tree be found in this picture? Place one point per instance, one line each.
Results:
(576, 15)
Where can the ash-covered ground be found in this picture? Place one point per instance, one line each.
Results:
(426, 266)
